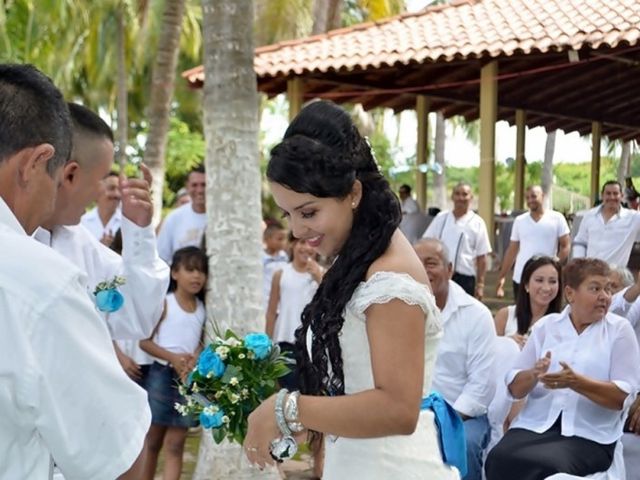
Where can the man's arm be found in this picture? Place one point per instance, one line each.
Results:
(564, 248)
(507, 263)
(581, 239)
(480, 386)
(146, 280)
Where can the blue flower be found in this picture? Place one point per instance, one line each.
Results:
(210, 362)
(109, 300)
(259, 344)
(211, 420)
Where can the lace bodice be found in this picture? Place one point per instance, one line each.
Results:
(383, 287)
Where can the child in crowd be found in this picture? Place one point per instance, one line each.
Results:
(273, 256)
(292, 288)
(176, 344)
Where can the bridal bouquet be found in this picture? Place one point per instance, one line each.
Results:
(232, 377)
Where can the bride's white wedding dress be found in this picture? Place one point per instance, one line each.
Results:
(415, 456)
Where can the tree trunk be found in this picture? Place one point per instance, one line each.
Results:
(123, 134)
(624, 165)
(440, 181)
(162, 83)
(233, 233)
(326, 15)
(547, 169)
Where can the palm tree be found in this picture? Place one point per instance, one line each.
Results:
(233, 198)
(547, 169)
(162, 86)
(624, 165)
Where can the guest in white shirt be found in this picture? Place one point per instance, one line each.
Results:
(274, 256)
(577, 370)
(465, 235)
(411, 215)
(63, 397)
(146, 275)
(103, 221)
(537, 232)
(464, 367)
(609, 230)
(184, 226)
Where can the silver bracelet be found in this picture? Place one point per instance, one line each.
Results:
(279, 411)
(291, 413)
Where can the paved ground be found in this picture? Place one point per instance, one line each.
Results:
(301, 469)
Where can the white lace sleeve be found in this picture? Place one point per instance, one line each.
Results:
(382, 287)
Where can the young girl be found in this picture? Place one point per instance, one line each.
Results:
(368, 339)
(176, 344)
(292, 289)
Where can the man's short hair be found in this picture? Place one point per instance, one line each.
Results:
(87, 122)
(462, 184)
(32, 112)
(610, 182)
(443, 251)
(405, 187)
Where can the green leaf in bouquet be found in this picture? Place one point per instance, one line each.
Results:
(230, 334)
(230, 372)
(218, 434)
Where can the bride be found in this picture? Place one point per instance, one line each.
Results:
(368, 338)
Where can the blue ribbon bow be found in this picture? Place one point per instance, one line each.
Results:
(450, 431)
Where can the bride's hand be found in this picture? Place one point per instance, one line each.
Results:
(262, 429)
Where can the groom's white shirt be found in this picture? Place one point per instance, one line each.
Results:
(146, 275)
(62, 391)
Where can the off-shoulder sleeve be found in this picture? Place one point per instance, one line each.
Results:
(382, 287)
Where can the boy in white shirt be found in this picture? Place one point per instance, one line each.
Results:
(184, 226)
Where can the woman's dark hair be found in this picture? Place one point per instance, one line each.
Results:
(191, 258)
(323, 154)
(523, 304)
(577, 270)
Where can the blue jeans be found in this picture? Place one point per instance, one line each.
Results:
(477, 432)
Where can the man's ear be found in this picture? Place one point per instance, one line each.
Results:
(32, 159)
(70, 173)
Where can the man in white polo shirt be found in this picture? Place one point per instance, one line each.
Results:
(609, 230)
(537, 232)
(465, 235)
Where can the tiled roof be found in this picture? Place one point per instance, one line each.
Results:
(465, 29)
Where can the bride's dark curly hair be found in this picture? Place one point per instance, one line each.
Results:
(323, 154)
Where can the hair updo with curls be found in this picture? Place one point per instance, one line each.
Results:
(323, 154)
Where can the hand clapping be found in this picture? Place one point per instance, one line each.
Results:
(565, 378)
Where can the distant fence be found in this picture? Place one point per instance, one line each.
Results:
(568, 202)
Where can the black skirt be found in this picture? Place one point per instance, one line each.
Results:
(526, 455)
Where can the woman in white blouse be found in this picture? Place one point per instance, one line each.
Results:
(577, 370)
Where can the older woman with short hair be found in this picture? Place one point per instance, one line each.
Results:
(577, 370)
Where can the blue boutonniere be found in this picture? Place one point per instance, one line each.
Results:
(108, 298)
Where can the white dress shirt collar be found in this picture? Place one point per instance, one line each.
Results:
(8, 219)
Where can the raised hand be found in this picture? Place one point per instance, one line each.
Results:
(633, 419)
(316, 271)
(542, 365)
(136, 198)
(565, 378)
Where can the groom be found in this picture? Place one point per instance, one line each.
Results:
(63, 397)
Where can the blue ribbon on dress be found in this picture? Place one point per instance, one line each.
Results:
(453, 444)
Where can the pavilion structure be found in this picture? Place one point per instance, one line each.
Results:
(561, 64)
